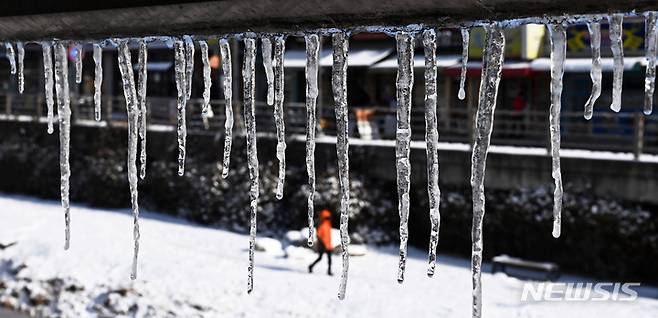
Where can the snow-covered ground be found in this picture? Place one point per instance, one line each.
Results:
(189, 270)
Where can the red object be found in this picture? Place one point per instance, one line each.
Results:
(518, 104)
(324, 230)
(364, 115)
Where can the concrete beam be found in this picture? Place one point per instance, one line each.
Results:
(68, 19)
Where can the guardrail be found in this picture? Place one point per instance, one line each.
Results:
(607, 131)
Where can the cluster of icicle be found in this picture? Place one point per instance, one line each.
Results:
(493, 59)
(134, 87)
(273, 49)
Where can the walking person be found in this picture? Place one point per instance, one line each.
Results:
(324, 241)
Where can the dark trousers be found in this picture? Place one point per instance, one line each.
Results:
(320, 253)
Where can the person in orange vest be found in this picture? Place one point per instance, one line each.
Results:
(324, 240)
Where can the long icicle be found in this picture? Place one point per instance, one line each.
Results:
(279, 50)
(651, 43)
(492, 64)
(189, 65)
(64, 112)
(98, 79)
(206, 109)
(249, 78)
(596, 72)
(11, 55)
(266, 50)
(432, 142)
(46, 49)
(181, 101)
(227, 83)
(558, 53)
(617, 48)
(20, 49)
(132, 108)
(78, 63)
(404, 85)
(143, 111)
(462, 78)
(339, 87)
(312, 58)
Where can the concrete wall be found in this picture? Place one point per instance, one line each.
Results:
(629, 180)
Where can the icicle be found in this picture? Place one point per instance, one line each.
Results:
(21, 74)
(492, 62)
(462, 79)
(279, 50)
(249, 78)
(78, 63)
(11, 55)
(339, 87)
(46, 48)
(596, 72)
(266, 49)
(432, 142)
(181, 85)
(143, 111)
(206, 111)
(132, 108)
(312, 57)
(189, 65)
(64, 112)
(617, 48)
(98, 80)
(404, 85)
(651, 48)
(225, 51)
(558, 53)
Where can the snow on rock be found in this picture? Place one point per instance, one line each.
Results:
(269, 245)
(358, 250)
(295, 237)
(188, 270)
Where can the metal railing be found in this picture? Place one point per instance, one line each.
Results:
(606, 131)
(618, 132)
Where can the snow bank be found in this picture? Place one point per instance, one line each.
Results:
(193, 271)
